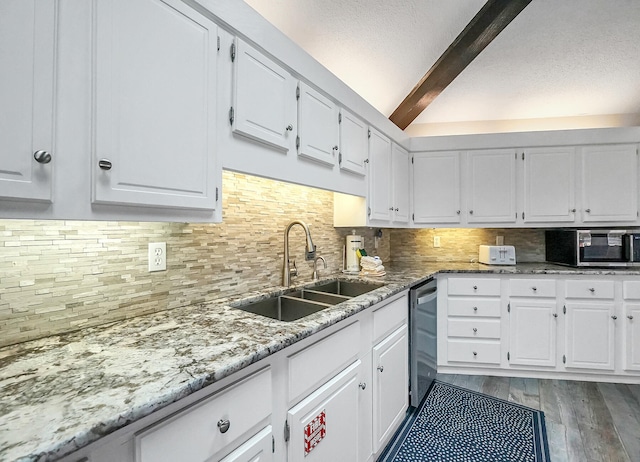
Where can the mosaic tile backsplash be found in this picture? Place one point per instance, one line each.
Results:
(60, 276)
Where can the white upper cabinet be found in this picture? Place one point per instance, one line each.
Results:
(609, 183)
(400, 188)
(318, 130)
(436, 187)
(27, 52)
(354, 139)
(549, 185)
(491, 186)
(155, 83)
(380, 177)
(264, 105)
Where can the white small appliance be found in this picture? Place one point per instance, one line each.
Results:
(352, 262)
(497, 255)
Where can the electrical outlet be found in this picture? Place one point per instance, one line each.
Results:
(436, 241)
(157, 256)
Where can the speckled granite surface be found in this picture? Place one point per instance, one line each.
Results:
(63, 392)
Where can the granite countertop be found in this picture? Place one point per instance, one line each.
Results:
(61, 393)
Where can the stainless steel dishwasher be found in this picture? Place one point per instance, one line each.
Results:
(422, 324)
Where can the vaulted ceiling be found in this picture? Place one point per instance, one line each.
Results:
(559, 63)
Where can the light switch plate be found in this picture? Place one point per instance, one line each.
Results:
(157, 256)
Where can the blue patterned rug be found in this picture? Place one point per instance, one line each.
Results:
(454, 424)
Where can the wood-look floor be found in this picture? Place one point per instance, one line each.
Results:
(586, 421)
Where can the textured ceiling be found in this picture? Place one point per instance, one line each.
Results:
(558, 58)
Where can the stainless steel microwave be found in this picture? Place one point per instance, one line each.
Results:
(593, 247)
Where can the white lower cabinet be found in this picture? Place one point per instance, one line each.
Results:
(324, 426)
(390, 375)
(258, 449)
(573, 327)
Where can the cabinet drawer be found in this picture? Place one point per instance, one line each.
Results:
(473, 352)
(194, 431)
(309, 368)
(631, 290)
(474, 328)
(474, 307)
(590, 289)
(389, 318)
(532, 287)
(475, 286)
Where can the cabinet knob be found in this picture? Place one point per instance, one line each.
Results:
(614, 317)
(362, 385)
(42, 157)
(587, 210)
(391, 209)
(397, 209)
(572, 210)
(555, 315)
(475, 308)
(475, 287)
(470, 212)
(289, 128)
(475, 330)
(366, 161)
(457, 212)
(335, 148)
(223, 425)
(630, 317)
(534, 289)
(592, 290)
(381, 368)
(475, 353)
(105, 164)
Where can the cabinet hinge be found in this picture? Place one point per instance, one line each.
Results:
(297, 142)
(412, 160)
(522, 155)
(340, 158)
(368, 211)
(369, 133)
(564, 309)
(273, 444)
(508, 307)
(515, 154)
(523, 215)
(564, 359)
(413, 217)
(339, 117)
(233, 52)
(216, 194)
(287, 431)
(508, 356)
(231, 115)
(298, 92)
(218, 43)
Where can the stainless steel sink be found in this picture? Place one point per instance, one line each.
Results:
(347, 288)
(284, 307)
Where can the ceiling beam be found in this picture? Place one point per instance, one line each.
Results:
(494, 16)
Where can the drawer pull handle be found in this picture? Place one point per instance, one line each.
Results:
(475, 287)
(105, 164)
(362, 385)
(614, 317)
(475, 308)
(381, 368)
(592, 290)
(475, 329)
(223, 425)
(475, 353)
(630, 317)
(534, 289)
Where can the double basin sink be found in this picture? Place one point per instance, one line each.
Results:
(306, 301)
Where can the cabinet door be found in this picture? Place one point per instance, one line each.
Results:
(589, 335)
(549, 185)
(632, 336)
(155, 105)
(27, 50)
(532, 333)
(436, 187)
(264, 104)
(380, 177)
(324, 426)
(318, 133)
(390, 386)
(257, 449)
(610, 183)
(353, 143)
(400, 184)
(491, 186)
